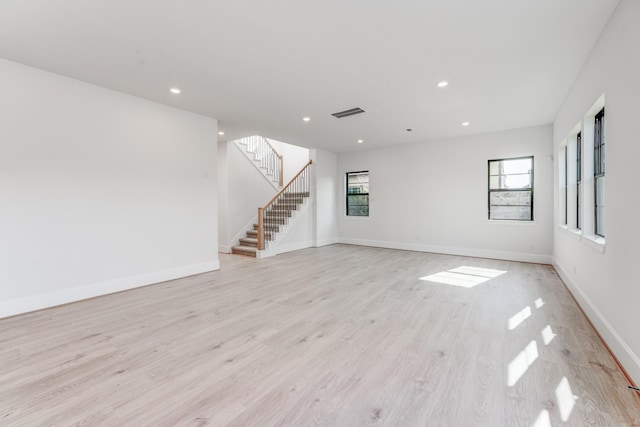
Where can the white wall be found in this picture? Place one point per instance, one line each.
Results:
(99, 191)
(604, 279)
(432, 197)
(223, 199)
(325, 169)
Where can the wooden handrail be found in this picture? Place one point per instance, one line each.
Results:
(288, 185)
(262, 212)
(260, 229)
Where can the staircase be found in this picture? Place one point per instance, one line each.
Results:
(276, 214)
(249, 244)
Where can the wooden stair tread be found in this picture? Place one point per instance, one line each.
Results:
(249, 241)
(276, 216)
(244, 250)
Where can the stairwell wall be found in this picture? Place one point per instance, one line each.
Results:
(294, 158)
(244, 190)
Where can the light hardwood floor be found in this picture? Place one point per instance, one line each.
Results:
(334, 336)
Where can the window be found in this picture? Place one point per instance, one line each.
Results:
(511, 189)
(578, 179)
(358, 193)
(598, 173)
(566, 180)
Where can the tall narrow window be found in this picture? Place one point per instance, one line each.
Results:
(598, 172)
(511, 189)
(358, 193)
(578, 179)
(566, 180)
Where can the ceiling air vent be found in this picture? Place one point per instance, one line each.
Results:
(347, 113)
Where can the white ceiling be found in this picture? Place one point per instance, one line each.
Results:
(260, 66)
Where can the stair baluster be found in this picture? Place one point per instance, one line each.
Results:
(276, 213)
(266, 155)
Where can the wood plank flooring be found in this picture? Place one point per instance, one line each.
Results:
(334, 336)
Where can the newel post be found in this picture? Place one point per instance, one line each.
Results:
(260, 230)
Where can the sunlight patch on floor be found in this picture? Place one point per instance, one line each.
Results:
(519, 317)
(566, 399)
(539, 303)
(465, 277)
(548, 335)
(543, 419)
(520, 364)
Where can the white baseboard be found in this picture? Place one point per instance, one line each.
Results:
(281, 249)
(38, 302)
(293, 247)
(224, 249)
(479, 253)
(625, 355)
(325, 242)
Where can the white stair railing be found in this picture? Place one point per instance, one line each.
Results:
(266, 155)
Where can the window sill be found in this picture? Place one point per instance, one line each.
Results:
(596, 242)
(356, 217)
(510, 222)
(571, 232)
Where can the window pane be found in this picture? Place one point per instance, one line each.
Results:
(358, 205)
(579, 157)
(494, 183)
(600, 191)
(563, 209)
(358, 200)
(522, 213)
(494, 167)
(598, 143)
(600, 205)
(602, 143)
(517, 166)
(509, 198)
(600, 213)
(509, 182)
(357, 183)
(510, 166)
(579, 206)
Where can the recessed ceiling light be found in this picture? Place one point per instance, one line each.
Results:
(465, 123)
(360, 141)
(175, 90)
(221, 133)
(306, 119)
(443, 84)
